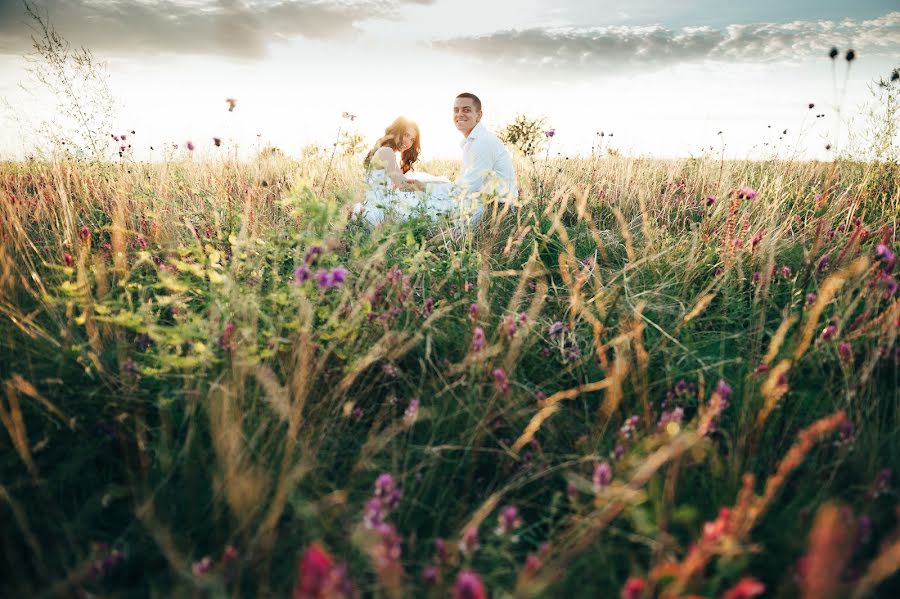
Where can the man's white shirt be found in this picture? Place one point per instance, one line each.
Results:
(484, 159)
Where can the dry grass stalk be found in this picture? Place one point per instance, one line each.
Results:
(773, 389)
(14, 424)
(778, 338)
(533, 427)
(885, 564)
(830, 547)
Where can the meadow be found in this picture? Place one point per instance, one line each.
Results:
(652, 379)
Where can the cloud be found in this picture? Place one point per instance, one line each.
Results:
(621, 47)
(232, 28)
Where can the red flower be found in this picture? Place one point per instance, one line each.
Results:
(746, 588)
(468, 586)
(634, 588)
(314, 575)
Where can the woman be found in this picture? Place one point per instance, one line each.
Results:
(393, 186)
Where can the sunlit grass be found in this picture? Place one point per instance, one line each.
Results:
(642, 381)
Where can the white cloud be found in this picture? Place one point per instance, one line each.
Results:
(620, 47)
(233, 28)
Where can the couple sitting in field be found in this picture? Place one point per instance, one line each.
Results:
(394, 189)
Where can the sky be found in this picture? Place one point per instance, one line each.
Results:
(664, 77)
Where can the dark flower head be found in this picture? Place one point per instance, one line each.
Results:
(895, 75)
(550, 132)
(217, 141)
(850, 55)
(231, 102)
(833, 53)
(190, 146)
(811, 105)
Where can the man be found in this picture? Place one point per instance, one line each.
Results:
(486, 163)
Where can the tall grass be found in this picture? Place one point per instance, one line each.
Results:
(576, 398)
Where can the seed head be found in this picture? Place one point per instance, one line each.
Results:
(850, 55)
(833, 53)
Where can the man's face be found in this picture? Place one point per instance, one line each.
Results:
(465, 117)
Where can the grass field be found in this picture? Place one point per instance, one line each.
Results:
(654, 379)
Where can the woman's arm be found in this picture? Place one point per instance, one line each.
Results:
(388, 159)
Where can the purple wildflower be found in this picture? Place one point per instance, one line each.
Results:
(602, 476)
(786, 272)
(190, 146)
(747, 193)
(810, 298)
(478, 340)
(508, 520)
(550, 132)
(845, 352)
(556, 330)
(829, 332)
(323, 278)
(473, 311)
(884, 253)
(501, 383)
(202, 566)
(338, 276)
(723, 390)
(822, 264)
(468, 586)
(312, 254)
(301, 274)
(710, 200)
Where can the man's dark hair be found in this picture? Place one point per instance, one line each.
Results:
(472, 97)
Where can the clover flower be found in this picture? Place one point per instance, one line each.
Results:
(478, 340)
(602, 476)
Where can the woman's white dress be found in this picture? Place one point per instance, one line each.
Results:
(383, 202)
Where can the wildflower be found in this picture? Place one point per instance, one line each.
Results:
(312, 254)
(618, 452)
(556, 330)
(723, 390)
(85, 233)
(850, 55)
(338, 276)
(681, 387)
(710, 200)
(571, 491)
(190, 146)
(348, 116)
(889, 283)
(532, 565)
(822, 264)
(829, 332)
(231, 104)
(431, 575)
(845, 352)
(884, 253)
(602, 476)
(440, 549)
(746, 588)
(669, 420)
(202, 566)
(217, 141)
(478, 340)
(786, 272)
(468, 586)
(523, 318)
(67, 259)
(756, 240)
(501, 383)
(411, 412)
(428, 308)
(473, 311)
(315, 574)
(633, 588)
(229, 554)
(469, 543)
(746, 192)
(718, 272)
(384, 485)
(389, 369)
(762, 368)
(832, 54)
(226, 339)
(550, 133)
(810, 298)
(323, 279)
(301, 274)
(373, 513)
(508, 520)
(630, 426)
(510, 327)
(811, 105)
